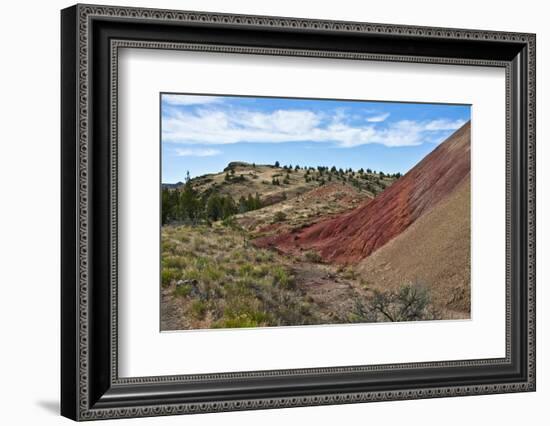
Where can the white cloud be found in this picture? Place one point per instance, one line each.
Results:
(179, 100)
(197, 152)
(378, 118)
(444, 124)
(213, 126)
(284, 121)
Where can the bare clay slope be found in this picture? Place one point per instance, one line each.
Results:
(354, 235)
(433, 251)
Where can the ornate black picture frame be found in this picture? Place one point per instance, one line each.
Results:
(91, 36)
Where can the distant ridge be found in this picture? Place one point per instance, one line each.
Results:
(172, 185)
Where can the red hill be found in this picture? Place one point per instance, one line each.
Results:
(354, 235)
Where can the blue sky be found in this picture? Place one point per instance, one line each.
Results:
(201, 134)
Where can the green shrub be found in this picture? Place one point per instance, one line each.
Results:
(243, 317)
(263, 256)
(260, 271)
(242, 321)
(350, 274)
(313, 256)
(245, 270)
(229, 222)
(198, 309)
(191, 274)
(412, 302)
(168, 275)
(281, 278)
(279, 217)
(212, 273)
(182, 290)
(174, 262)
(201, 263)
(168, 245)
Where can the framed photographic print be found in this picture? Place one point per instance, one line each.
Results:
(263, 212)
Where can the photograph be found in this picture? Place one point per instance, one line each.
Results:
(283, 211)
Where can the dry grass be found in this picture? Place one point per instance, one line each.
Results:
(302, 210)
(212, 278)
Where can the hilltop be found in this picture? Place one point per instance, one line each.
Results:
(275, 183)
(242, 187)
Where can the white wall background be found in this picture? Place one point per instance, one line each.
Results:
(29, 213)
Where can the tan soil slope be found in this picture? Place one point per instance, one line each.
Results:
(435, 250)
(353, 236)
(303, 210)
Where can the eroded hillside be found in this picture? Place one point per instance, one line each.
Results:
(354, 235)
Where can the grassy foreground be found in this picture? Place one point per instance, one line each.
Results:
(212, 277)
(216, 279)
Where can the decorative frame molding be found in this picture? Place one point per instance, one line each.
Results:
(91, 388)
